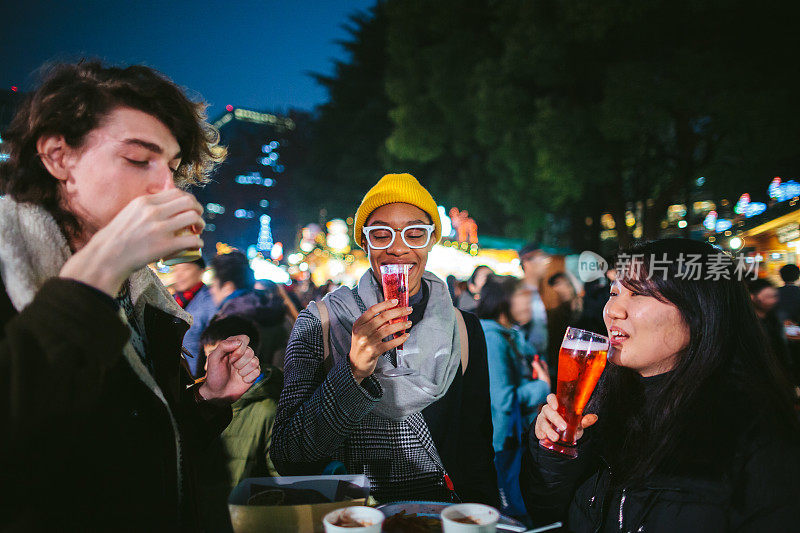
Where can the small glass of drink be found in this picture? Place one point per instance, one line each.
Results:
(581, 361)
(394, 279)
(186, 256)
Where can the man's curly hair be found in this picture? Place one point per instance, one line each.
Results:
(72, 100)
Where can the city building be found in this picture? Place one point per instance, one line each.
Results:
(247, 202)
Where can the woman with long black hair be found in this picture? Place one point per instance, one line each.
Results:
(691, 427)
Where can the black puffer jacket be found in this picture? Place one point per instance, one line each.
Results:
(759, 492)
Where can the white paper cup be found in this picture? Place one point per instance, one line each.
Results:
(366, 515)
(486, 517)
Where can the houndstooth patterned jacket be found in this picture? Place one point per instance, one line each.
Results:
(328, 417)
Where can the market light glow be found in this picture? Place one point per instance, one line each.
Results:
(277, 251)
(254, 178)
(265, 269)
(782, 191)
(265, 234)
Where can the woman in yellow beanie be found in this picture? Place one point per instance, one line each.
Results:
(422, 435)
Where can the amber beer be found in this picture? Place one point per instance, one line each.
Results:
(581, 361)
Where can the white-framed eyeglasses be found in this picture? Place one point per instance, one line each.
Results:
(382, 237)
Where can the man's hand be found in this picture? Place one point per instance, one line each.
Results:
(231, 370)
(145, 230)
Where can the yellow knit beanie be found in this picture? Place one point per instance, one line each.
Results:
(397, 188)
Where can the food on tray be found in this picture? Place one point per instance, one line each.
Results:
(345, 520)
(411, 523)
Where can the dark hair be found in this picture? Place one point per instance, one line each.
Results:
(758, 285)
(726, 378)
(477, 271)
(789, 273)
(264, 307)
(496, 296)
(72, 100)
(220, 328)
(552, 280)
(233, 267)
(451, 286)
(528, 249)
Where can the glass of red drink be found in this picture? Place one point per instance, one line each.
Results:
(394, 279)
(581, 361)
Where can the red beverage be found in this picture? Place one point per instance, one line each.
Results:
(394, 279)
(581, 361)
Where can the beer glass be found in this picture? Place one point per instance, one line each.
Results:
(394, 279)
(581, 360)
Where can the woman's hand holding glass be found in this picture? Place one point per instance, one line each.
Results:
(369, 330)
(549, 422)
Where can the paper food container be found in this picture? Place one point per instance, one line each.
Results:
(258, 516)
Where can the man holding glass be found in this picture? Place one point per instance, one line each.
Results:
(415, 420)
(100, 429)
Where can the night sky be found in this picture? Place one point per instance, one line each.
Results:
(250, 54)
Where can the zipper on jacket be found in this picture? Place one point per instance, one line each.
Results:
(621, 506)
(598, 525)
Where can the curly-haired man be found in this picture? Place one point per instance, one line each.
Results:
(100, 429)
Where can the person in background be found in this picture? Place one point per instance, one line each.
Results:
(468, 299)
(242, 450)
(565, 314)
(325, 288)
(534, 262)
(459, 289)
(788, 311)
(764, 296)
(595, 296)
(304, 290)
(267, 285)
(102, 429)
(233, 289)
(195, 298)
(231, 277)
(789, 295)
(515, 394)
